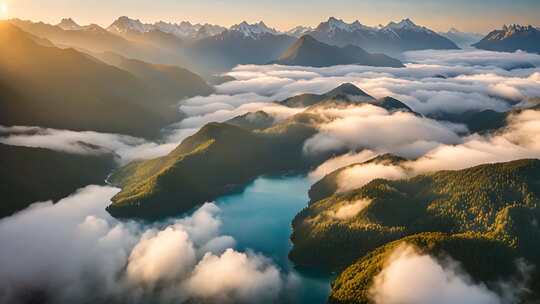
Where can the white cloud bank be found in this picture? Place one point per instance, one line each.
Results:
(75, 251)
(435, 81)
(370, 127)
(410, 277)
(519, 140)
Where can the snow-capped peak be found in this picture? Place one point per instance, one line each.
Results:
(299, 31)
(69, 25)
(125, 24)
(183, 29)
(253, 30)
(333, 24)
(406, 24)
(403, 24)
(509, 30)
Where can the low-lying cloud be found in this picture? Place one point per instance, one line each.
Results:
(201, 110)
(370, 127)
(340, 161)
(518, 140)
(433, 82)
(357, 176)
(74, 251)
(410, 277)
(125, 148)
(350, 210)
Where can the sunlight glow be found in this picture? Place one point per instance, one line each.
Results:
(4, 9)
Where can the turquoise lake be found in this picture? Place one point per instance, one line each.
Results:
(260, 218)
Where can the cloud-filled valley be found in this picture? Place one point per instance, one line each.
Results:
(448, 82)
(73, 251)
(433, 281)
(95, 256)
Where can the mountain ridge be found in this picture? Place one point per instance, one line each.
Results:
(512, 38)
(307, 51)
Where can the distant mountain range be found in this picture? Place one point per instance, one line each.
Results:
(186, 177)
(183, 30)
(241, 44)
(512, 38)
(393, 38)
(307, 51)
(43, 85)
(462, 39)
(208, 49)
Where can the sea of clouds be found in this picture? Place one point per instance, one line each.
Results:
(433, 82)
(430, 280)
(75, 249)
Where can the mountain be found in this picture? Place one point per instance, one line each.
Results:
(182, 30)
(253, 121)
(512, 38)
(348, 93)
(32, 175)
(171, 83)
(346, 89)
(221, 158)
(307, 51)
(152, 46)
(69, 25)
(393, 38)
(253, 30)
(207, 30)
(482, 216)
(124, 24)
(241, 44)
(328, 185)
(475, 256)
(462, 39)
(413, 37)
(91, 38)
(62, 88)
(299, 31)
(479, 201)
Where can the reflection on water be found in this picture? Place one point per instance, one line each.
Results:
(260, 219)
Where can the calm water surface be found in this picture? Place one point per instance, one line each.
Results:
(260, 219)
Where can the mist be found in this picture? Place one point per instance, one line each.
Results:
(439, 280)
(74, 251)
(518, 140)
(409, 270)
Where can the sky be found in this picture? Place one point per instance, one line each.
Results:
(468, 15)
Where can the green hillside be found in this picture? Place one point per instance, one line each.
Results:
(218, 159)
(328, 185)
(30, 175)
(479, 200)
(46, 86)
(476, 254)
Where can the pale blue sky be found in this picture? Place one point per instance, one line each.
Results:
(471, 15)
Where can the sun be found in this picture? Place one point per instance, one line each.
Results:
(4, 8)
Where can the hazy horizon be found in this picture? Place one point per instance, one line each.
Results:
(437, 15)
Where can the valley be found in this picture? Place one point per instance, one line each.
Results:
(149, 160)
